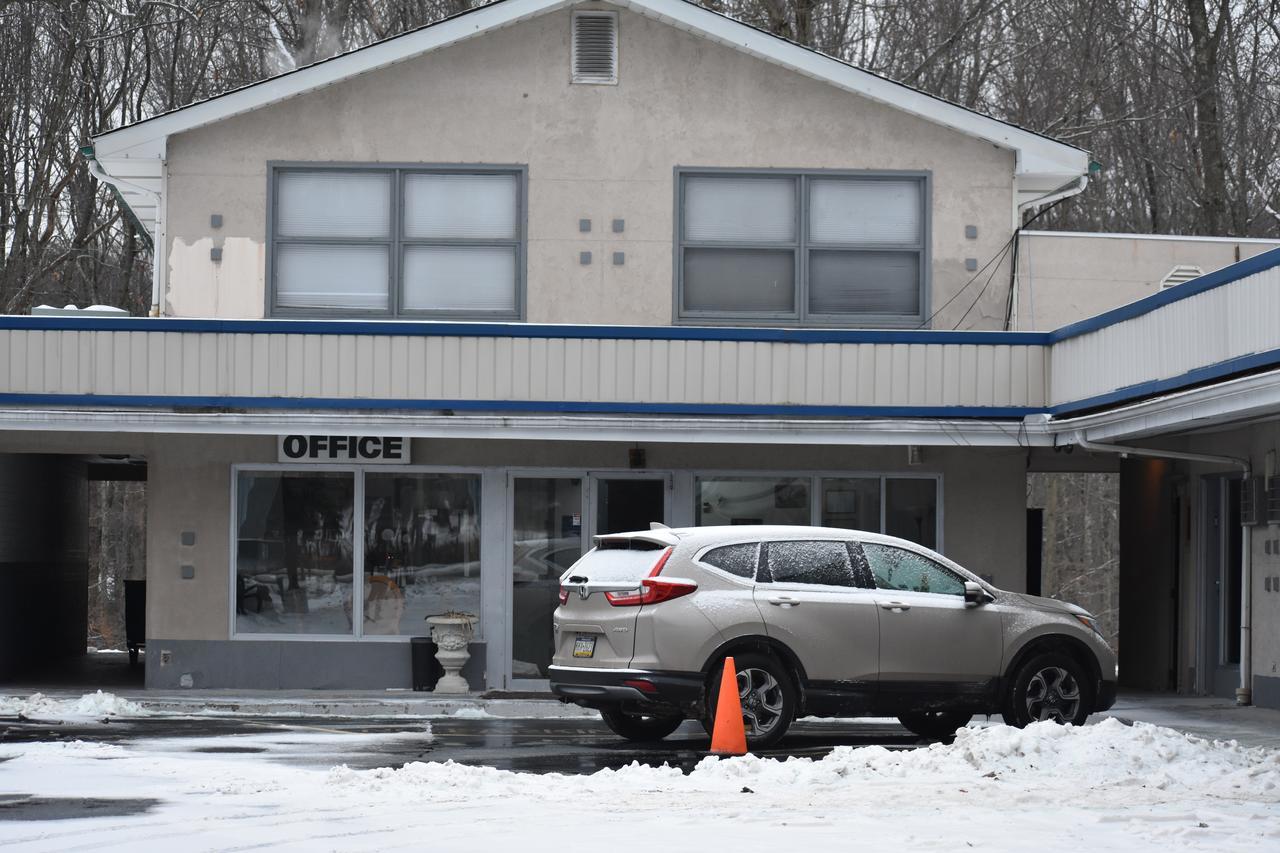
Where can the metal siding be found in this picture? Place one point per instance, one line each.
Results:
(138, 362)
(1210, 327)
(577, 369)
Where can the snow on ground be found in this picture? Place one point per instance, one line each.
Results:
(90, 706)
(1102, 787)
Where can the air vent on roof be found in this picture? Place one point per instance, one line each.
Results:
(1180, 274)
(595, 47)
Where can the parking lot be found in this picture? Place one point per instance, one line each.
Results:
(468, 779)
(576, 745)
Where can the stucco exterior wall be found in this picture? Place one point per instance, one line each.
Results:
(189, 489)
(1069, 276)
(592, 152)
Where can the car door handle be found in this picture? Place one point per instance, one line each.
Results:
(783, 601)
(895, 606)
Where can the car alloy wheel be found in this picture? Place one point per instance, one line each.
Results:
(1053, 694)
(762, 700)
(1051, 687)
(767, 695)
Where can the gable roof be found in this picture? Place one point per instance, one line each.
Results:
(133, 155)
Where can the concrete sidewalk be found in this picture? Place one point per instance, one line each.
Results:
(328, 703)
(1209, 717)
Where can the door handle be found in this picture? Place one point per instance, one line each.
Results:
(783, 601)
(895, 606)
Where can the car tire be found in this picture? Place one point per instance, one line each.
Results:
(1051, 686)
(639, 727)
(767, 693)
(934, 724)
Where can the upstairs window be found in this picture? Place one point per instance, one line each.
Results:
(397, 242)
(804, 248)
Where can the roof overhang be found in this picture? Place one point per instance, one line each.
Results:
(1222, 405)
(135, 153)
(621, 428)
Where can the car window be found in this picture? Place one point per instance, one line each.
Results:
(820, 562)
(737, 559)
(897, 568)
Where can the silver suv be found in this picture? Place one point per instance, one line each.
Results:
(819, 622)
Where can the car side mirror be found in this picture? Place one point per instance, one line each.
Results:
(974, 594)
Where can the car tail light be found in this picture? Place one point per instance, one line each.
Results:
(564, 596)
(653, 589)
(643, 685)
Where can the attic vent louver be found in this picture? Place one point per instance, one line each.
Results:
(595, 47)
(1181, 274)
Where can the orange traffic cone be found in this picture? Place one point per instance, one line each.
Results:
(727, 735)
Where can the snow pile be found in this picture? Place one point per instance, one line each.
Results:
(89, 706)
(470, 713)
(1107, 754)
(1105, 759)
(1107, 787)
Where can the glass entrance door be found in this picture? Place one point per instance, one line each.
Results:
(624, 503)
(546, 538)
(553, 517)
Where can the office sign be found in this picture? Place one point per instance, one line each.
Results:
(362, 449)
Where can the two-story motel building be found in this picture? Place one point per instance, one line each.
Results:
(433, 313)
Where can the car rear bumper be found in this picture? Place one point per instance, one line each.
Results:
(595, 687)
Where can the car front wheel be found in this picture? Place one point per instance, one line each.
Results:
(1049, 687)
(639, 727)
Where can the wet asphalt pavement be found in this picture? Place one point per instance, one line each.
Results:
(525, 745)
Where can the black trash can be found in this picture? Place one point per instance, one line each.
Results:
(426, 669)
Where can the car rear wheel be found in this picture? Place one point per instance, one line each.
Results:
(767, 695)
(639, 727)
(1052, 687)
(934, 724)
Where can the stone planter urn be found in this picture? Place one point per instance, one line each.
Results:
(452, 632)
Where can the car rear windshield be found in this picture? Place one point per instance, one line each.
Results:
(617, 564)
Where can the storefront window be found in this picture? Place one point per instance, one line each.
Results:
(906, 507)
(421, 549)
(911, 510)
(294, 552)
(753, 500)
(851, 503)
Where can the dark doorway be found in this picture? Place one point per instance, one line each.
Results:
(625, 504)
(1148, 575)
(1035, 548)
(1221, 579)
(71, 541)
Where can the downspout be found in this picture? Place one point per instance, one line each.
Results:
(1244, 693)
(1073, 187)
(95, 169)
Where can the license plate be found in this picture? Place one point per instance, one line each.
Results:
(584, 647)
